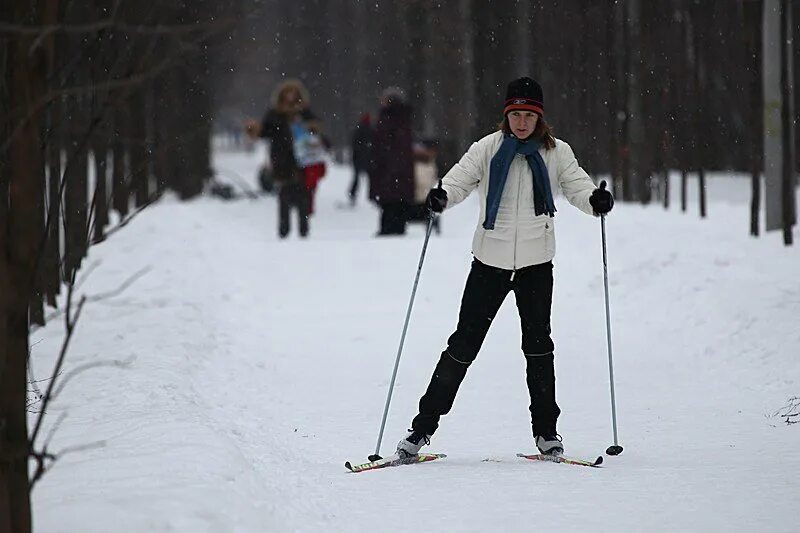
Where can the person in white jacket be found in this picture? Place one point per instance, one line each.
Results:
(515, 171)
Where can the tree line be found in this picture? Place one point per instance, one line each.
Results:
(104, 104)
(636, 87)
(107, 104)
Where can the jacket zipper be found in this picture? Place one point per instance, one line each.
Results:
(516, 226)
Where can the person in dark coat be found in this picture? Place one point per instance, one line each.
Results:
(362, 153)
(392, 179)
(289, 105)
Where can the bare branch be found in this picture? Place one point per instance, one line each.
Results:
(79, 369)
(106, 295)
(125, 221)
(132, 79)
(85, 273)
(44, 34)
(42, 457)
(19, 30)
(81, 448)
(70, 321)
(791, 412)
(41, 467)
(52, 432)
(119, 290)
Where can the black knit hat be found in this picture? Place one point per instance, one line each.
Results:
(524, 94)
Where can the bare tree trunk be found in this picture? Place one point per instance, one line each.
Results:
(76, 189)
(638, 183)
(467, 125)
(446, 79)
(612, 51)
(582, 92)
(699, 79)
(787, 128)
(52, 254)
(684, 187)
(120, 194)
(6, 95)
(523, 25)
(159, 136)
(37, 281)
(36, 299)
(755, 200)
(19, 239)
(752, 14)
(140, 164)
(197, 149)
(100, 196)
(416, 19)
(795, 22)
(364, 92)
(100, 151)
(701, 185)
(625, 155)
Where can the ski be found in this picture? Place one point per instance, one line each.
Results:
(562, 459)
(394, 460)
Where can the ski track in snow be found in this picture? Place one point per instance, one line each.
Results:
(255, 368)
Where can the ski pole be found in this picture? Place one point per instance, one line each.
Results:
(376, 456)
(615, 449)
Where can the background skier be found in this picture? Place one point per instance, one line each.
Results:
(514, 170)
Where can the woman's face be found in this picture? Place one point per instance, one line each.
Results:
(522, 123)
(291, 98)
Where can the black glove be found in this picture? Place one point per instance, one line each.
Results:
(601, 200)
(437, 199)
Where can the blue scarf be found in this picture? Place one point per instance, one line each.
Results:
(498, 172)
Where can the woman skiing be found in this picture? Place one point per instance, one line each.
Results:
(514, 170)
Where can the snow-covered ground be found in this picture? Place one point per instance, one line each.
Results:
(255, 367)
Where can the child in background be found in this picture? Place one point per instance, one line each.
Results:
(309, 149)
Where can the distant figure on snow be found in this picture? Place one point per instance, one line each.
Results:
(362, 153)
(426, 177)
(296, 152)
(392, 179)
(310, 147)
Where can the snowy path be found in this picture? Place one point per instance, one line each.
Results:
(257, 367)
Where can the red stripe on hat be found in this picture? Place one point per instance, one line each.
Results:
(519, 100)
(524, 107)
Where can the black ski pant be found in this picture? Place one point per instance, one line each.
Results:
(394, 216)
(485, 291)
(292, 195)
(357, 171)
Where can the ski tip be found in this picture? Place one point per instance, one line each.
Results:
(348, 466)
(599, 460)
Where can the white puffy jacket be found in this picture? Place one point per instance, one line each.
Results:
(519, 238)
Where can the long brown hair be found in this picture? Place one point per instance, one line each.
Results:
(542, 132)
